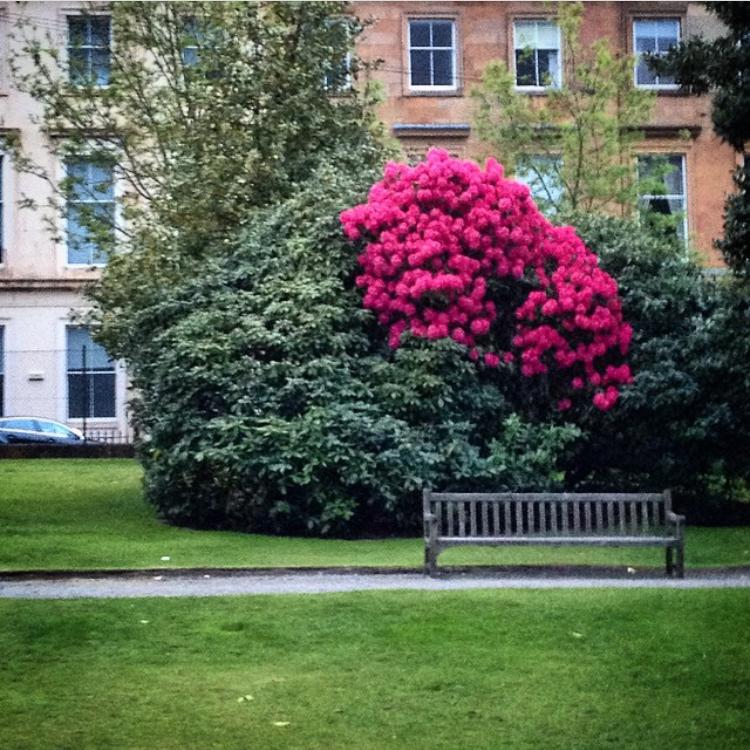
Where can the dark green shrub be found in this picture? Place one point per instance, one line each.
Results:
(685, 421)
(271, 402)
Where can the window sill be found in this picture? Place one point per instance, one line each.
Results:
(100, 421)
(434, 91)
(535, 90)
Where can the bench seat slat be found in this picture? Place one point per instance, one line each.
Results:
(554, 540)
(552, 497)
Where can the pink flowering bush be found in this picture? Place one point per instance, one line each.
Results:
(454, 251)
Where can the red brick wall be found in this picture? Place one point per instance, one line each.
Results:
(484, 33)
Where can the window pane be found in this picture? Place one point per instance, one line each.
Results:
(76, 31)
(525, 68)
(100, 67)
(99, 30)
(645, 29)
(442, 33)
(420, 68)
(78, 65)
(525, 34)
(100, 185)
(76, 397)
(190, 56)
(667, 33)
(79, 250)
(103, 391)
(96, 354)
(547, 37)
(673, 176)
(548, 67)
(77, 171)
(645, 44)
(643, 74)
(442, 61)
(419, 33)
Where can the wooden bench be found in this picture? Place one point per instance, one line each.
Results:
(453, 519)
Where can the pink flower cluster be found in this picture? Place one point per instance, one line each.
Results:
(439, 233)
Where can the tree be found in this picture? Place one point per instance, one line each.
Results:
(209, 110)
(723, 67)
(578, 143)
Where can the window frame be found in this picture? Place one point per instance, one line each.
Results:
(67, 373)
(84, 157)
(636, 55)
(87, 15)
(536, 88)
(454, 87)
(2, 369)
(673, 196)
(3, 201)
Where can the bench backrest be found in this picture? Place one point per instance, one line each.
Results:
(551, 514)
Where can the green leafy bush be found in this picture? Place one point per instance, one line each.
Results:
(272, 403)
(685, 421)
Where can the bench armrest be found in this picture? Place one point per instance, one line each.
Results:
(677, 521)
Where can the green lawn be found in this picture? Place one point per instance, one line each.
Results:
(470, 670)
(65, 514)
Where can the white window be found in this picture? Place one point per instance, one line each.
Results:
(655, 36)
(542, 174)
(432, 54)
(2, 370)
(193, 38)
(537, 56)
(662, 177)
(89, 40)
(339, 77)
(2, 209)
(90, 210)
(91, 377)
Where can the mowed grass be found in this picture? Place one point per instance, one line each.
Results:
(492, 669)
(90, 514)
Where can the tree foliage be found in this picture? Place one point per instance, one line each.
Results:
(722, 67)
(272, 402)
(685, 421)
(209, 109)
(578, 140)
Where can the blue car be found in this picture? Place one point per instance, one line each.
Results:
(37, 430)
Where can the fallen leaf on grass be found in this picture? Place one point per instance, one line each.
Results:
(165, 558)
(577, 635)
(244, 698)
(144, 622)
(281, 723)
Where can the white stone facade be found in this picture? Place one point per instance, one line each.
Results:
(40, 291)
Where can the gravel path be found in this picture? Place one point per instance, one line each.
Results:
(171, 584)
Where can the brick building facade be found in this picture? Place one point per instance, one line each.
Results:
(432, 53)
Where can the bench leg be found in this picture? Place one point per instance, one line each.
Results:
(430, 561)
(681, 561)
(670, 561)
